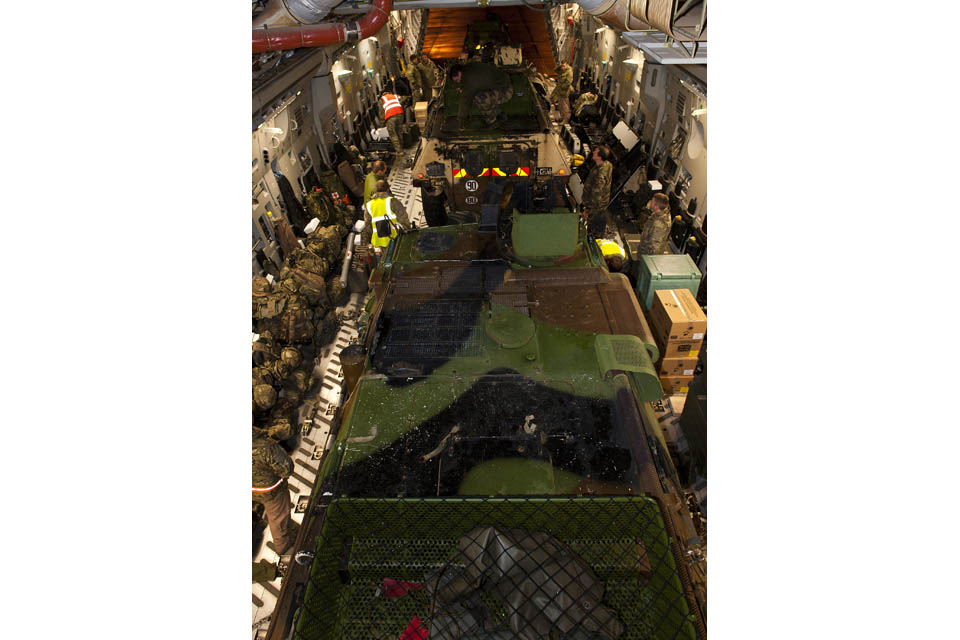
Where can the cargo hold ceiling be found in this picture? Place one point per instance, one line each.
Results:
(447, 29)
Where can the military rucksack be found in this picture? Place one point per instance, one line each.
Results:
(325, 242)
(269, 306)
(296, 326)
(304, 260)
(312, 286)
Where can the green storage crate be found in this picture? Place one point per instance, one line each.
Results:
(666, 272)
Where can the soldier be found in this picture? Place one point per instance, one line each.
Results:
(484, 85)
(596, 191)
(561, 92)
(613, 254)
(379, 172)
(391, 113)
(655, 235)
(428, 74)
(415, 80)
(271, 467)
(388, 212)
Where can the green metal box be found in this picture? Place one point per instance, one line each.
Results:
(665, 272)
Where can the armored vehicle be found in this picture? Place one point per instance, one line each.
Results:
(517, 165)
(498, 470)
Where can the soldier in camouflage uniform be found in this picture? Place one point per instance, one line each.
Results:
(415, 80)
(485, 85)
(427, 74)
(271, 467)
(561, 92)
(596, 191)
(655, 235)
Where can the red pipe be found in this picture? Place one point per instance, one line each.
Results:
(318, 35)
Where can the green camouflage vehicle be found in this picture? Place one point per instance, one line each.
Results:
(498, 470)
(521, 160)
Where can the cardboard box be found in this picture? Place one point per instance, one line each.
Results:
(675, 384)
(679, 348)
(675, 315)
(420, 113)
(676, 366)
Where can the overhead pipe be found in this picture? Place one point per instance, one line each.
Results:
(640, 15)
(317, 35)
(281, 13)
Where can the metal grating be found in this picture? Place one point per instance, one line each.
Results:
(462, 280)
(564, 277)
(516, 301)
(368, 545)
(435, 331)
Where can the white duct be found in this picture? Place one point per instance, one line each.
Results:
(640, 15)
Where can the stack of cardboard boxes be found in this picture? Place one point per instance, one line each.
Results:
(420, 113)
(678, 326)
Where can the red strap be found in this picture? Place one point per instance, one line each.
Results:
(395, 588)
(415, 631)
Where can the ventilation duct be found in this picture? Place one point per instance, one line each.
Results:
(684, 21)
(281, 31)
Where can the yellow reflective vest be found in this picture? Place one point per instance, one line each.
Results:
(610, 248)
(378, 210)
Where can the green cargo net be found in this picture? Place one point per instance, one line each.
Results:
(495, 568)
(628, 353)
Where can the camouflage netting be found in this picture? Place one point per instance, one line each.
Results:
(598, 568)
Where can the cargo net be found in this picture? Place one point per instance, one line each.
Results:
(495, 569)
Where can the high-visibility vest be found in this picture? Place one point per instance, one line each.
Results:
(610, 248)
(391, 106)
(379, 209)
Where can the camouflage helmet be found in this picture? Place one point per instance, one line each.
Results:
(261, 286)
(264, 396)
(291, 356)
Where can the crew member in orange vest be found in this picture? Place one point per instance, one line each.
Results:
(391, 112)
